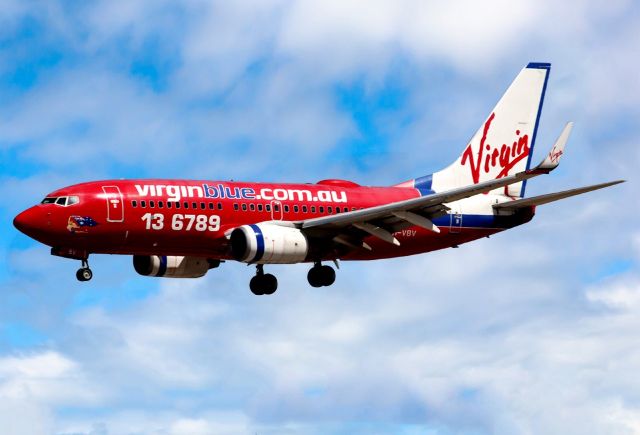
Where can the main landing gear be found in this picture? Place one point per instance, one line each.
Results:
(320, 275)
(267, 284)
(84, 273)
(263, 284)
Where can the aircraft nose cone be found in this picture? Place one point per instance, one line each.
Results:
(28, 221)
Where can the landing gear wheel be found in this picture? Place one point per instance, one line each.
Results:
(263, 284)
(256, 285)
(320, 276)
(328, 275)
(270, 283)
(84, 274)
(315, 277)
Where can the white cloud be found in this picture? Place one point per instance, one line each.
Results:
(409, 338)
(621, 294)
(45, 379)
(24, 417)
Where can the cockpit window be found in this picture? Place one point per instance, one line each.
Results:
(64, 201)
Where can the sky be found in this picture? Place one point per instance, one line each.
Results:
(536, 330)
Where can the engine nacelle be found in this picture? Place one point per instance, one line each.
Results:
(171, 266)
(268, 244)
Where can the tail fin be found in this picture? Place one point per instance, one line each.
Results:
(503, 145)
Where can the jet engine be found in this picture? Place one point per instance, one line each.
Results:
(172, 266)
(268, 244)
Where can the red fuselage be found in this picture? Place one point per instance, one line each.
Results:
(194, 218)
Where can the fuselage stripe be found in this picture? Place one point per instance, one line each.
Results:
(163, 266)
(259, 243)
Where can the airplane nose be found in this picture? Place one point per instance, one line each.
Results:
(28, 222)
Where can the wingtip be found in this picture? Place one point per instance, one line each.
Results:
(552, 160)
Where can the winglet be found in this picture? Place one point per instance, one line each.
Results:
(553, 158)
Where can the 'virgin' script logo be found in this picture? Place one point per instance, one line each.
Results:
(554, 155)
(489, 157)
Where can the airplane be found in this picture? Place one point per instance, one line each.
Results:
(182, 229)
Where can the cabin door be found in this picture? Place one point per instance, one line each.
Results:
(276, 211)
(456, 221)
(115, 203)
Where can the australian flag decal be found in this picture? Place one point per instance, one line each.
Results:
(79, 224)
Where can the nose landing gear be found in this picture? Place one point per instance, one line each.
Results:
(263, 284)
(84, 273)
(320, 275)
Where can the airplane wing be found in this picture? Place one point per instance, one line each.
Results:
(551, 197)
(381, 221)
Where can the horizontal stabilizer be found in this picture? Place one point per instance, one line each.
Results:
(551, 197)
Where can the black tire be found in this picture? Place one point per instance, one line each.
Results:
(84, 274)
(270, 284)
(257, 285)
(314, 276)
(328, 275)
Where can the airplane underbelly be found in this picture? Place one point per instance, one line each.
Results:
(416, 240)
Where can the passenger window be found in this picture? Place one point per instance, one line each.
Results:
(160, 204)
(276, 207)
(252, 206)
(313, 209)
(267, 207)
(321, 208)
(185, 204)
(337, 210)
(211, 206)
(235, 206)
(346, 209)
(202, 206)
(169, 204)
(152, 204)
(244, 207)
(194, 205)
(259, 207)
(219, 206)
(304, 209)
(73, 200)
(143, 204)
(329, 209)
(177, 204)
(295, 209)
(286, 208)
(62, 201)
(353, 209)
(134, 203)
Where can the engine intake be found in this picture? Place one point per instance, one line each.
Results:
(172, 266)
(268, 244)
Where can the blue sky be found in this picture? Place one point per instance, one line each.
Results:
(532, 331)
